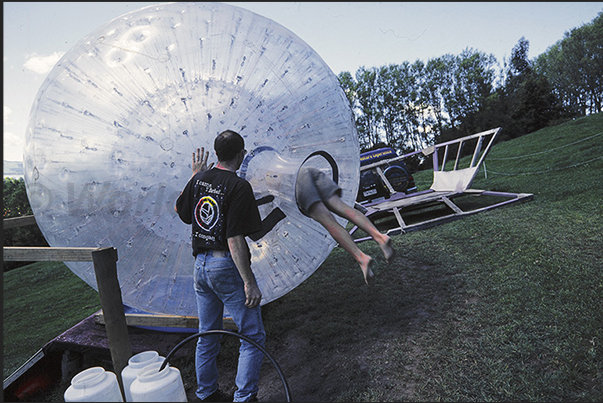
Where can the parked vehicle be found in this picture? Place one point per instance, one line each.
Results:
(396, 172)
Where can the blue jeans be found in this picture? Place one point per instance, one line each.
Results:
(218, 284)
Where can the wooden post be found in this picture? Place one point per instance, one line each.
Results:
(109, 291)
(18, 221)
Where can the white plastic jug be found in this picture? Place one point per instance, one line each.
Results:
(135, 364)
(152, 385)
(94, 385)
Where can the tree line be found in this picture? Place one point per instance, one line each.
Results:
(409, 106)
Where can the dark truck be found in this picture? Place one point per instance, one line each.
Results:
(396, 172)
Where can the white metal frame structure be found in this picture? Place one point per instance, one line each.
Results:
(451, 180)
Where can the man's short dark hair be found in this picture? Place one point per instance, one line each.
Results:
(228, 144)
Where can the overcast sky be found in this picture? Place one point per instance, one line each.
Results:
(346, 35)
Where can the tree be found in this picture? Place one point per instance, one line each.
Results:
(367, 122)
(14, 198)
(573, 67)
(419, 110)
(529, 99)
(16, 204)
(471, 83)
(538, 106)
(388, 101)
(347, 83)
(397, 101)
(520, 65)
(474, 80)
(436, 87)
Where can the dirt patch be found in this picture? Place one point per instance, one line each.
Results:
(353, 347)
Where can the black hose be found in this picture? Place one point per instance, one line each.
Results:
(240, 336)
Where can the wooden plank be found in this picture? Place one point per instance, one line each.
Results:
(48, 254)
(109, 291)
(150, 320)
(18, 221)
(23, 368)
(159, 321)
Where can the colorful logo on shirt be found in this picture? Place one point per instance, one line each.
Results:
(207, 213)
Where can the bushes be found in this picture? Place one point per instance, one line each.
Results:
(16, 204)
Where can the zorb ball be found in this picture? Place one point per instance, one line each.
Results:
(112, 131)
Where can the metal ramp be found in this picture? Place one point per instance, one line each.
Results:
(449, 197)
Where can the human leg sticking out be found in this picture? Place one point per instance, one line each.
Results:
(322, 213)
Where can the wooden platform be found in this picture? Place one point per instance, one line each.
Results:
(82, 346)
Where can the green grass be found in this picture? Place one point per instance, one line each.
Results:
(533, 328)
(504, 305)
(41, 301)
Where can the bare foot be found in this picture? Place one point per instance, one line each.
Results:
(388, 250)
(369, 277)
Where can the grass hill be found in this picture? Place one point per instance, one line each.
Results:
(504, 305)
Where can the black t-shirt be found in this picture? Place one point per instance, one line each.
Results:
(219, 205)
